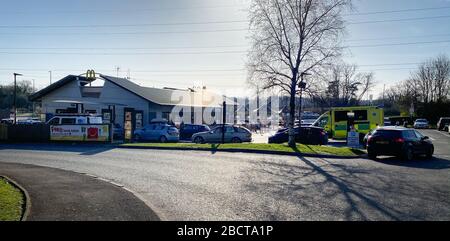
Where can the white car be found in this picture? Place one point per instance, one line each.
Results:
(75, 120)
(421, 124)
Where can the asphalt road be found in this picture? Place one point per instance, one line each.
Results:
(191, 185)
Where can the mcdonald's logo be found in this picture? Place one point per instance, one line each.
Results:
(90, 74)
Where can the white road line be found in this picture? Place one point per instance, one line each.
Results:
(446, 134)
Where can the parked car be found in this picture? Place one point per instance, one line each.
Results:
(387, 122)
(421, 124)
(304, 134)
(443, 124)
(233, 134)
(400, 142)
(157, 132)
(187, 130)
(75, 120)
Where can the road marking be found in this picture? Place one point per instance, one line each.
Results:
(446, 135)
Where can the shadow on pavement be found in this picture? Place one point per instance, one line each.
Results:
(321, 189)
(82, 149)
(423, 163)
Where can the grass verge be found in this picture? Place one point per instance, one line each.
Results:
(301, 148)
(11, 202)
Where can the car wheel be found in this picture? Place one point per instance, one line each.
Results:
(372, 155)
(430, 153)
(163, 139)
(408, 154)
(199, 140)
(236, 140)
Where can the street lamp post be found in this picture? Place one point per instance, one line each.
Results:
(15, 93)
(301, 86)
(224, 119)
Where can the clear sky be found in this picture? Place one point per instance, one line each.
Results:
(179, 43)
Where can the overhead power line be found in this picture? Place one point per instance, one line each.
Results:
(398, 11)
(140, 53)
(202, 52)
(397, 44)
(129, 33)
(399, 20)
(88, 11)
(195, 23)
(123, 25)
(124, 48)
(398, 37)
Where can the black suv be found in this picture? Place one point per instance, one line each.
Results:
(400, 142)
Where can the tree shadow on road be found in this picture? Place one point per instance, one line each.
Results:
(423, 163)
(319, 189)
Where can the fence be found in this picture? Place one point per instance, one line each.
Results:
(25, 133)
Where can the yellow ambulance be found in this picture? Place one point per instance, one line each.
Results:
(365, 118)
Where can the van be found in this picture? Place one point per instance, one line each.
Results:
(443, 124)
(366, 118)
(75, 120)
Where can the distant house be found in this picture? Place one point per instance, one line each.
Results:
(119, 99)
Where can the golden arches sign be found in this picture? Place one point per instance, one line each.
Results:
(90, 74)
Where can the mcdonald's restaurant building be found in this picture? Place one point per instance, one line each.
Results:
(118, 100)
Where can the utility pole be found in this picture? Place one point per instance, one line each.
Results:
(15, 93)
(50, 76)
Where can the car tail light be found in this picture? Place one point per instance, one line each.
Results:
(369, 139)
(399, 140)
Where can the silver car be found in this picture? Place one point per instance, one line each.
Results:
(233, 134)
(157, 132)
(421, 124)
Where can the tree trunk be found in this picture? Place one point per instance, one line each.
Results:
(292, 115)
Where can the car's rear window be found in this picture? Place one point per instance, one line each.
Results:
(387, 133)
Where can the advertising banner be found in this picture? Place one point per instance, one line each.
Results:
(79, 133)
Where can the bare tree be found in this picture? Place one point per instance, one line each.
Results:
(342, 85)
(292, 37)
(432, 80)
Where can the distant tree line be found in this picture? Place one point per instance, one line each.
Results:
(427, 91)
(24, 90)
